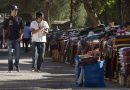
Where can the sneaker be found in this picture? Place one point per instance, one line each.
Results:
(9, 71)
(17, 69)
(38, 70)
(33, 70)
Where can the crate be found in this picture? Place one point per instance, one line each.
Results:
(93, 75)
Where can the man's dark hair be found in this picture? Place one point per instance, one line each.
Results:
(39, 14)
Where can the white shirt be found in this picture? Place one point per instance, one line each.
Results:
(39, 37)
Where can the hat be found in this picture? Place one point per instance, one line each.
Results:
(14, 7)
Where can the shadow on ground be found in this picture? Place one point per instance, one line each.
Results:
(59, 76)
(54, 75)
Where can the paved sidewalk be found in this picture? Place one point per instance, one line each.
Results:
(54, 75)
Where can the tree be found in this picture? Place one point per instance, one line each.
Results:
(127, 8)
(59, 10)
(75, 10)
(91, 12)
(96, 10)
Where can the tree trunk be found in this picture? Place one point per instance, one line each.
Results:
(105, 17)
(46, 15)
(75, 11)
(91, 13)
(118, 13)
(127, 18)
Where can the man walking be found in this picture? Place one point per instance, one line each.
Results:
(13, 34)
(39, 29)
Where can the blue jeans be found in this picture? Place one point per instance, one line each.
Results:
(13, 51)
(38, 51)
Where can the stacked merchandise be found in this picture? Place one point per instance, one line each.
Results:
(61, 49)
(110, 59)
(63, 46)
(117, 67)
(113, 42)
(56, 45)
(125, 66)
(123, 49)
(66, 45)
(54, 48)
(116, 55)
(70, 50)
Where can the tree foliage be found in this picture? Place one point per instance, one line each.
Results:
(59, 10)
(83, 11)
